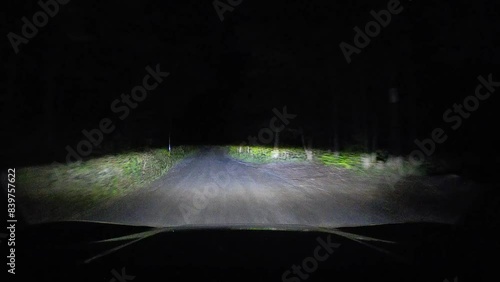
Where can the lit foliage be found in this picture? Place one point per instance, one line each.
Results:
(79, 186)
(343, 160)
(260, 154)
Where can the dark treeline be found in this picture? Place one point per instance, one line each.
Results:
(227, 77)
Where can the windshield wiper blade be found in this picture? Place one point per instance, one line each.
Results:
(136, 237)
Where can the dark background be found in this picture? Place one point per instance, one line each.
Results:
(226, 77)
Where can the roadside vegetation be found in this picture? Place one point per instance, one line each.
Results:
(355, 161)
(65, 189)
(261, 154)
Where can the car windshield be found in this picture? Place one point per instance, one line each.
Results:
(230, 113)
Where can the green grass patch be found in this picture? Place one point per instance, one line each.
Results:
(260, 154)
(356, 161)
(342, 160)
(365, 164)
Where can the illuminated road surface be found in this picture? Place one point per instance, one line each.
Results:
(211, 188)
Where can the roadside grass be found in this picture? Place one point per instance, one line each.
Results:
(358, 162)
(55, 191)
(366, 164)
(261, 154)
(342, 160)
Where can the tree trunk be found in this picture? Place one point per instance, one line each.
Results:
(307, 147)
(336, 141)
(395, 130)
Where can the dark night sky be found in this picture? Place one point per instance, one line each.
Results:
(226, 77)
